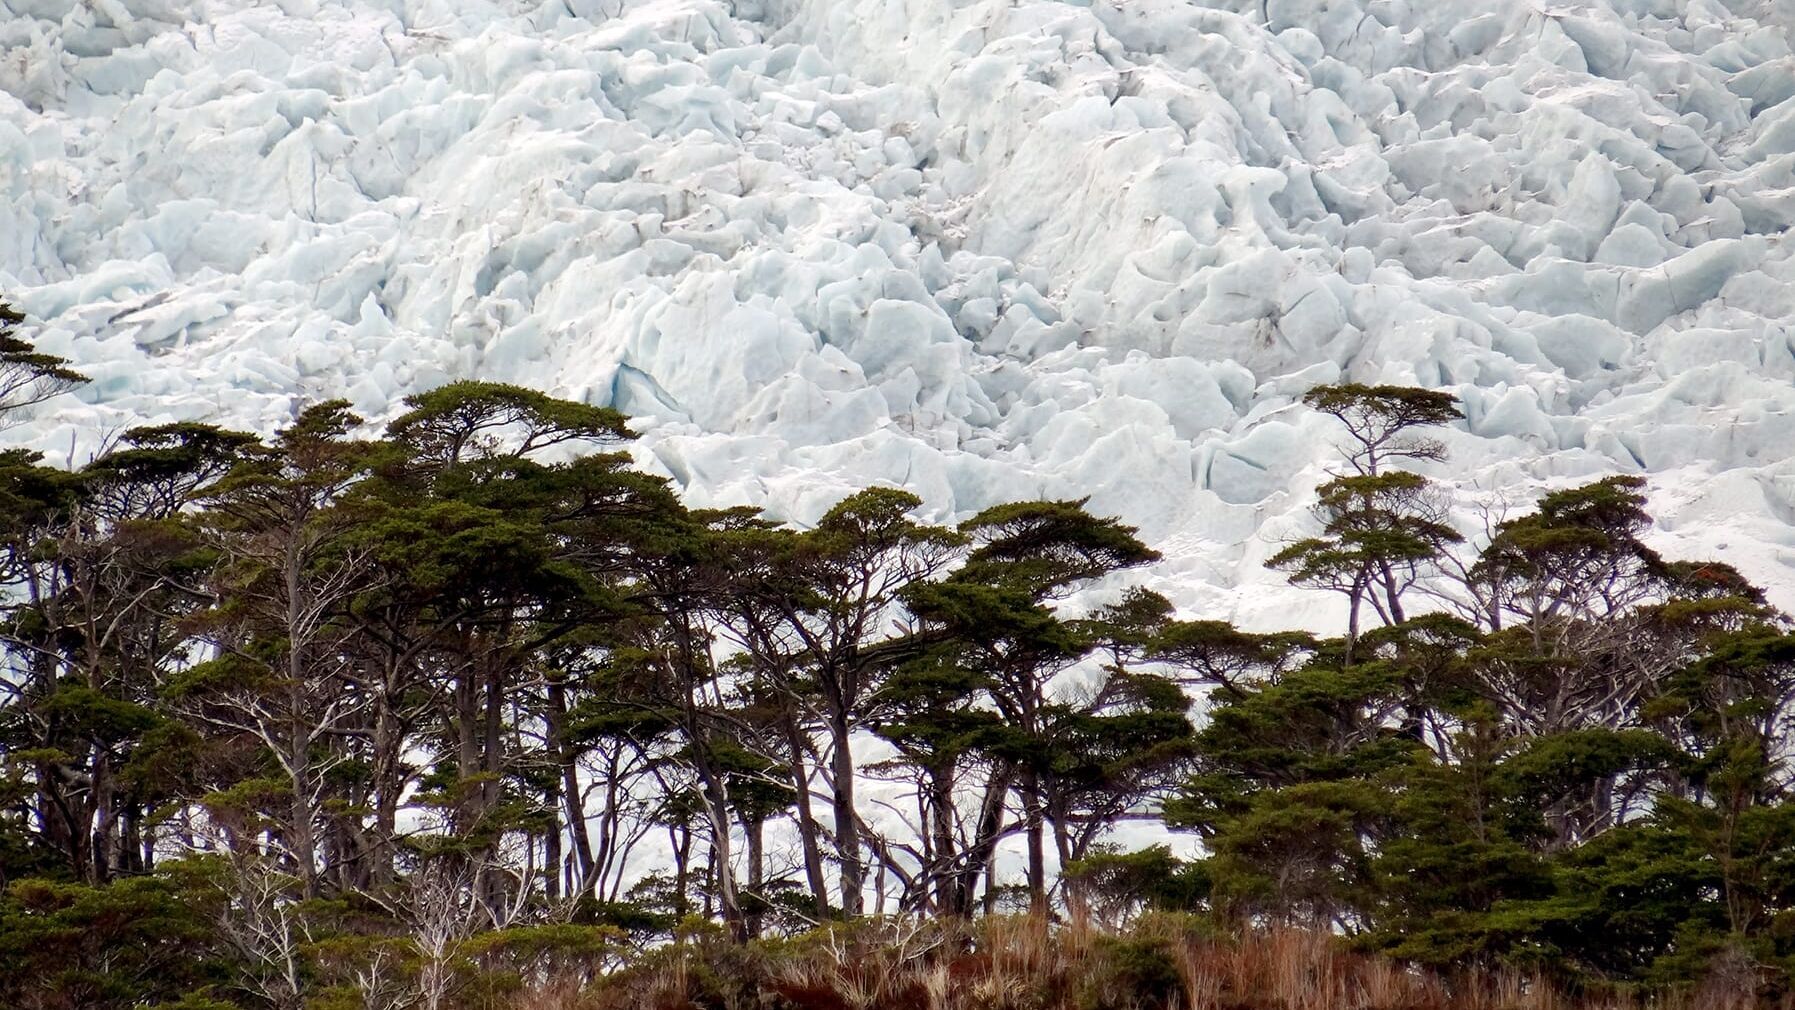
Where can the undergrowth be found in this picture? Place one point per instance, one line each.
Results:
(1162, 963)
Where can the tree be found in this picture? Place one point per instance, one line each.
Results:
(1114, 748)
(1382, 531)
(469, 421)
(27, 375)
(1282, 790)
(1380, 535)
(996, 617)
(1380, 421)
(817, 620)
(283, 582)
(108, 567)
(469, 533)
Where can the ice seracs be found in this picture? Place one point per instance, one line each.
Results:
(992, 250)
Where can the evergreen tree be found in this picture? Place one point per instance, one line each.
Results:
(1382, 530)
(339, 718)
(28, 376)
(817, 621)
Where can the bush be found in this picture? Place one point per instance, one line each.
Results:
(1131, 974)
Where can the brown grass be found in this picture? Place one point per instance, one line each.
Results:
(1027, 964)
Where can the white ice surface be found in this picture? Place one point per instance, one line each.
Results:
(985, 249)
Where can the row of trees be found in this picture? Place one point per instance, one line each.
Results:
(1552, 748)
(480, 673)
(382, 720)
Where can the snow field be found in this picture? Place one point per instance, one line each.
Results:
(985, 249)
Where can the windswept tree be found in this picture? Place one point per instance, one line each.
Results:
(492, 423)
(283, 672)
(114, 568)
(997, 614)
(1575, 560)
(666, 657)
(935, 716)
(28, 376)
(1382, 530)
(818, 620)
(1382, 422)
(468, 528)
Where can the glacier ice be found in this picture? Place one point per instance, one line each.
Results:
(987, 249)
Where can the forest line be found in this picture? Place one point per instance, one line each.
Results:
(331, 718)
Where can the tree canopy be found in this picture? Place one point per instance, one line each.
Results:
(336, 715)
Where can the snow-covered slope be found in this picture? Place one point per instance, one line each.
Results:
(988, 249)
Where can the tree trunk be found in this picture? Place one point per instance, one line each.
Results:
(754, 830)
(467, 721)
(984, 847)
(102, 793)
(847, 826)
(304, 837)
(1076, 909)
(807, 827)
(1037, 848)
(1392, 593)
(566, 798)
(387, 785)
(949, 896)
(682, 857)
(492, 763)
(716, 808)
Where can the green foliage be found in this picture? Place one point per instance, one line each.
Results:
(468, 420)
(1121, 884)
(424, 700)
(121, 945)
(27, 375)
(156, 470)
(1042, 548)
(1379, 420)
(1576, 541)
(1134, 974)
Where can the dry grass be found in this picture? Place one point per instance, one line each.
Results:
(1028, 964)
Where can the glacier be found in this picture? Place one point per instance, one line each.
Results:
(984, 249)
